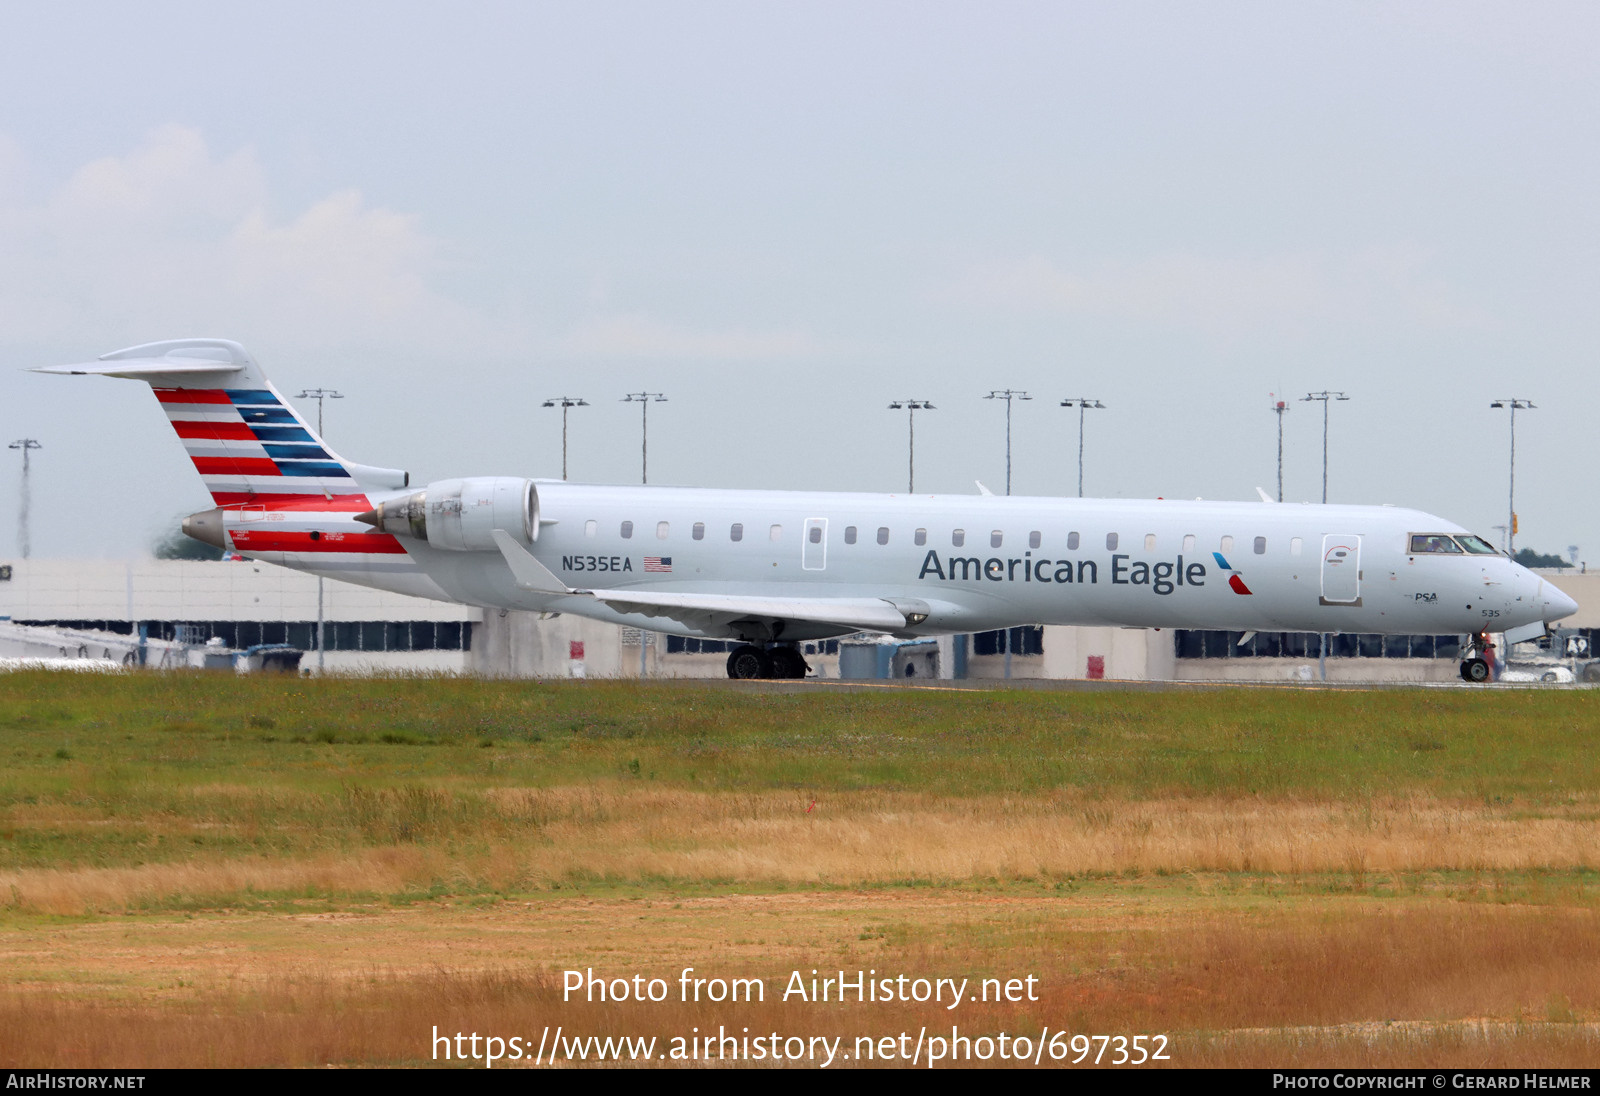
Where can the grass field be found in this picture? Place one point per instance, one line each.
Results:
(203, 869)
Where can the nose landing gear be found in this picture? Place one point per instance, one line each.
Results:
(1475, 667)
(782, 661)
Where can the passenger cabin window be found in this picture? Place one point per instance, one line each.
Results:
(736, 531)
(883, 534)
(1188, 542)
(921, 538)
(627, 530)
(662, 529)
(1072, 542)
(1434, 543)
(1261, 546)
(815, 533)
(1149, 542)
(849, 534)
(699, 532)
(1034, 539)
(591, 527)
(1295, 546)
(775, 533)
(1476, 545)
(1111, 542)
(1227, 544)
(996, 539)
(958, 537)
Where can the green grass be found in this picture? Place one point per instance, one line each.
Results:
(151, 768)
(76, 737)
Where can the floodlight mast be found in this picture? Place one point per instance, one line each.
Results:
(1324, 397)
(1280, 408)
(1082, 404)
(320, 394)
(564, 402)
(911, 408)
(24, 540)
(1008, 395)
(644, 400)
(1513, 405)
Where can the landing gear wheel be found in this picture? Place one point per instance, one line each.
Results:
(787, 662)
(749, 662)
(1475, 670)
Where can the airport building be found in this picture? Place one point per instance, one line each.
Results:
(246, 605)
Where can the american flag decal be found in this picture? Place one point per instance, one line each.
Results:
(658, 563)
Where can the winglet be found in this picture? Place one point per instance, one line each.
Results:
(982, 490)
(526, 568)
(1264, 496)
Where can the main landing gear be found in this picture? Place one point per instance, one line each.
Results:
(1475, 667)
(782, 661)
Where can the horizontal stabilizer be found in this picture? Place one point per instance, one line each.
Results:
(174, 357)
(139, 368)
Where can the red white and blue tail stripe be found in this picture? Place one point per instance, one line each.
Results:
(247, 444)
(282, 495)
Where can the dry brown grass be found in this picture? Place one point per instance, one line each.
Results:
(1304, 982)
(522, 838)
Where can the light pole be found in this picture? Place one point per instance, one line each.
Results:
(911, 408)
(1008, 395)
(320, 394)
(644, 400)
(1280, 408)
(1514, 405)
(1324, 397)
(564, 402)
(1082, 404)
(24, 544)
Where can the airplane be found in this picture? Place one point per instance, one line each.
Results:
(770, 569)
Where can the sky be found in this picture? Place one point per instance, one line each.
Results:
(784, 216)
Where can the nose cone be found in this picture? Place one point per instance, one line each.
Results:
(1557, 604)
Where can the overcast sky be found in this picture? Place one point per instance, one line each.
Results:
(785, 215)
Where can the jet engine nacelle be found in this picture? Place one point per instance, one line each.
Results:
(462, 514)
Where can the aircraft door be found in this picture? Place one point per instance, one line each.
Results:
(1341, 569)
(814, 545)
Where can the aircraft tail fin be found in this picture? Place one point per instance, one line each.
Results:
(247, 442)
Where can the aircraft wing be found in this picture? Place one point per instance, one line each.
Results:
(703, 610)
(700, 610)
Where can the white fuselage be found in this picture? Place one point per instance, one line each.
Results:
(1215, 565)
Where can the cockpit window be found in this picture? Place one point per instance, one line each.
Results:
(1436, 543)
(1476, 545)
